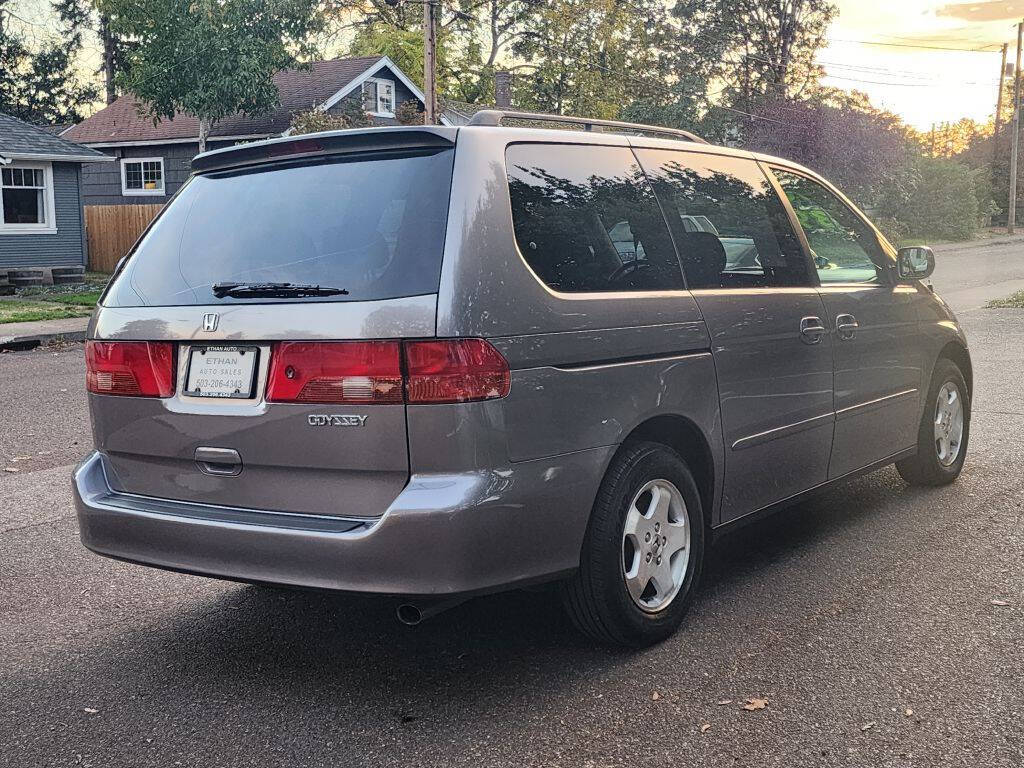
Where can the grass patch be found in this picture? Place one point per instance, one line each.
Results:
(1013, 301)
(79, 299)
(31, 311)
(907, 242)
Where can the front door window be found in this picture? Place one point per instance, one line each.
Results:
(843, 246)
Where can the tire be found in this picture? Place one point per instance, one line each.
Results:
(926, 467)
(597, 597)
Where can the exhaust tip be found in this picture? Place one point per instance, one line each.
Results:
(409, 614)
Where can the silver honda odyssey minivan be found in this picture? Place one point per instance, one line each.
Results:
(433, 362)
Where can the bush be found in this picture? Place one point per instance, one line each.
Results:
(893, 229)
(350, 114)
(944, 204)
(409, 113)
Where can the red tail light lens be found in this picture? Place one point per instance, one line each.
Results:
(132, 368)
(454, 371)
(335, 372)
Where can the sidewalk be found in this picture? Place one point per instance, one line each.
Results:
(27, 335)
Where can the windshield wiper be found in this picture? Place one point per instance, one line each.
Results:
(273, 290)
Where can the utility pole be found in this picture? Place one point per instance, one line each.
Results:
(1011, 217)
(430, 61)
(999, 106)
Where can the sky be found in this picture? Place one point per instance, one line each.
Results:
(923, 85)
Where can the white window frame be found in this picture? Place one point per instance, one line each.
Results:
(143, 192)
(378, 112)
(49, 223)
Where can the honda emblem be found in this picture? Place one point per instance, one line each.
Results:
(210, 321)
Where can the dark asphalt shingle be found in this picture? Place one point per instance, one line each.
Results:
(19, 138)
(298, 90)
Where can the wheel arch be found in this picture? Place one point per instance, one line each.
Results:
(687, 439)
(958, 354)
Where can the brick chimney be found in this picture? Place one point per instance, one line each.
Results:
(503, 90)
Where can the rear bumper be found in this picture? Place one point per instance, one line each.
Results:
(444, 534)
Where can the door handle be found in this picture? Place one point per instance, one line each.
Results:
(219, 461)
(846, 327)
(811, 330)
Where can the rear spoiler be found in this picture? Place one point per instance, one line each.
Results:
(357, 141)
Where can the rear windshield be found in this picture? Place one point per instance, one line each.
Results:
(374, 227)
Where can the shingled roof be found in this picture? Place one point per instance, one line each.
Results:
(298, 90)
(22, 141)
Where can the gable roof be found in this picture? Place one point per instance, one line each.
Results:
(21, 141)
(298, 91)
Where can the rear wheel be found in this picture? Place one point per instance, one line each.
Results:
(944, 430)
(643, 553)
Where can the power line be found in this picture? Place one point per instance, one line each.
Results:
(905, 85)
(908, 45)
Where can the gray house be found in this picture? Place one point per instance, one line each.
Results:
(153, 161)
(41, 221)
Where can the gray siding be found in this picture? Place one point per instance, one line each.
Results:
(401, 94)
(63, 249)
(101, 182)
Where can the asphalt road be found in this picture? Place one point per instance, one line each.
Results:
(865, 617)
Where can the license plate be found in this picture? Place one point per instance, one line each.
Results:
(221, 371)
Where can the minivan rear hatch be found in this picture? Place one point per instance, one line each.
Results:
(277, 284)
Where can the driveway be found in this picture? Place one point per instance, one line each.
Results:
(969, 275)
(882, 624)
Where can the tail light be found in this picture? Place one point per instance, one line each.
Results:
(133, 368)
(454, 371)
(367, 372)
(358, 372)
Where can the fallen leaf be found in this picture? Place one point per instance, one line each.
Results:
(868, 726)
(908, 712)
(998, 602)
(655, 696)
(705, 728)
(752, 704)
(90, 711)
(723, 702)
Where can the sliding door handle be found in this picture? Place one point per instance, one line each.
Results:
(811, 330)
(846, 327)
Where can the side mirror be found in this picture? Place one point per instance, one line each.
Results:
(915, 262)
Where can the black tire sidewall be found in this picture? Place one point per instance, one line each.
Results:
(945, 371)
(635, 626)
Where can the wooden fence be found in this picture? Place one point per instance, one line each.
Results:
(113, 229)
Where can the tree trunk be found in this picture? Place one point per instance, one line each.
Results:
(204, 131)
(108, 58)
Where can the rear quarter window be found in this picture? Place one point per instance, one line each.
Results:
(373, 226)
(586, 220)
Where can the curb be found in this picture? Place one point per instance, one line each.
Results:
(33, 340)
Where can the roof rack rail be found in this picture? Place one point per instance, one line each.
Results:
(493, 117)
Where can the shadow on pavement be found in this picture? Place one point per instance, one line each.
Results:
(242, 665)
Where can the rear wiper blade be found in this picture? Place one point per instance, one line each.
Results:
(274, 290)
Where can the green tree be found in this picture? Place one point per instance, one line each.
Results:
(40, 84)
(402, 46)
(210, 58)
(752, 49)
(590, 57)
(944, 203)
(94, 16)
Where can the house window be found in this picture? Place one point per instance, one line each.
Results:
(142, 176)
(379, 97)
(27, 192)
